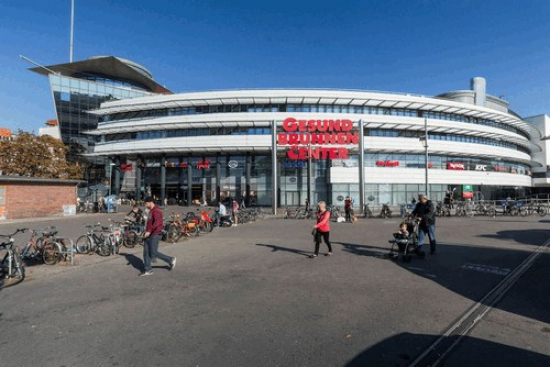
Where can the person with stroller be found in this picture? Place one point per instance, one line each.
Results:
(321, 230)
(425, 211)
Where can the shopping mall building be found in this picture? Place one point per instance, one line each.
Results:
(281, 147)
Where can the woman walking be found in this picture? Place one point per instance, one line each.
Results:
(322, 229)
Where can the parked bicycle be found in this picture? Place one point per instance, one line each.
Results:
(94, 240)
(12, 270)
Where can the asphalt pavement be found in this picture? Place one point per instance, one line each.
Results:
(250, 296)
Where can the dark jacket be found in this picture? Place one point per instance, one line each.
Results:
(136, 217)
(155, 222)
(426, 212)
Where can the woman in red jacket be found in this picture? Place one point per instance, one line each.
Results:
(322, 229)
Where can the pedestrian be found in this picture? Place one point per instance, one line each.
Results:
(347, 208)
(153, 233)
(425, 211)
(307, 205)
(321, 230)
(166, 202)
(235, 211)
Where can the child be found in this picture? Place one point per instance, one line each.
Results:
(401, 236)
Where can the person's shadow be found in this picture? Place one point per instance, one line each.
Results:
(284, 249)
(134, 261)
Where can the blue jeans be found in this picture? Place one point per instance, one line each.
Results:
(430, 231)
(150, 250)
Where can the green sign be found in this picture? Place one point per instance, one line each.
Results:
(467, 188)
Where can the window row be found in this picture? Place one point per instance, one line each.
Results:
(328, 108)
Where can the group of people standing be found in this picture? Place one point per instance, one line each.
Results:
(424, 211)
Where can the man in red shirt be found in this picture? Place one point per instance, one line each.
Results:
(153, 233)
(322, 229)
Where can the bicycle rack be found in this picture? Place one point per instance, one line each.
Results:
(68, 247)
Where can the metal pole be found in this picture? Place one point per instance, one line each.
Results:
(309, 175)
(361, 165)
(426, 153)
(110, 176)
(274, 172)
(72, 32)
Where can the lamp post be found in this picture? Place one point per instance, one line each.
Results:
(110, 175)
(424, 140)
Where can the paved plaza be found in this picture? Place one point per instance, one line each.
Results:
(250, 296)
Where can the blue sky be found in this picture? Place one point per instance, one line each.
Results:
(421, 46)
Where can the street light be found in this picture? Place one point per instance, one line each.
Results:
(110, 175)
(424, 140)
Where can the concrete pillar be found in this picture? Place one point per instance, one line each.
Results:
(479, 87)
(139, 162)
(189, 182)
(218, 178)
(162, 179)
(116, 167)
(247, 180)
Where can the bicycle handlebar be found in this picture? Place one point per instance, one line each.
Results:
(20, 230)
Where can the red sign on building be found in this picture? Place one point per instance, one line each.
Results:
(126, 167)
(387, 163)
(306, 138)
(456, 166)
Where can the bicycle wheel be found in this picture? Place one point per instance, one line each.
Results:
(173, 233)
(129, 239)
(83, 245)
(104, 248)
(541, 211)
(523, 211)
(51, 253)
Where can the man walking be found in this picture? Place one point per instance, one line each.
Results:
(153, 233)
(426, 212)
(322, 229)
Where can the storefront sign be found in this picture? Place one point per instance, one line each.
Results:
(306, 138)
(387, 163)
(126, 167)
(501, 168)
(467, 188)
(340, 198)
(152, 165)
(480, 167)
(456, 166)
(292, 179)
(183, 165)
(203, 164)
(232, 164)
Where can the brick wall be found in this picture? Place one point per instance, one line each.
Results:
(33, 200)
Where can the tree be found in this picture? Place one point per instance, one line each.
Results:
(36, 156)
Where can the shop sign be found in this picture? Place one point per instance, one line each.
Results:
(183, 165)
(501, 168)
(126, 167)
(387, 163)
(456, 166)
(203, 164)
(480, 167)
(152, 165)
(301, 135)
(292, 179)
(232, 164)
(340, 198)
(468, 188)
(420, 165)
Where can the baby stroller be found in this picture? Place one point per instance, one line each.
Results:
(406, 245)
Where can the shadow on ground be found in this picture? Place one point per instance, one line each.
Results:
(402, 349)
(284, 249)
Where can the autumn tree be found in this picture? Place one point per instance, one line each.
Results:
(36, 156)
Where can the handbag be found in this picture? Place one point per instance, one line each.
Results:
(314, 232)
